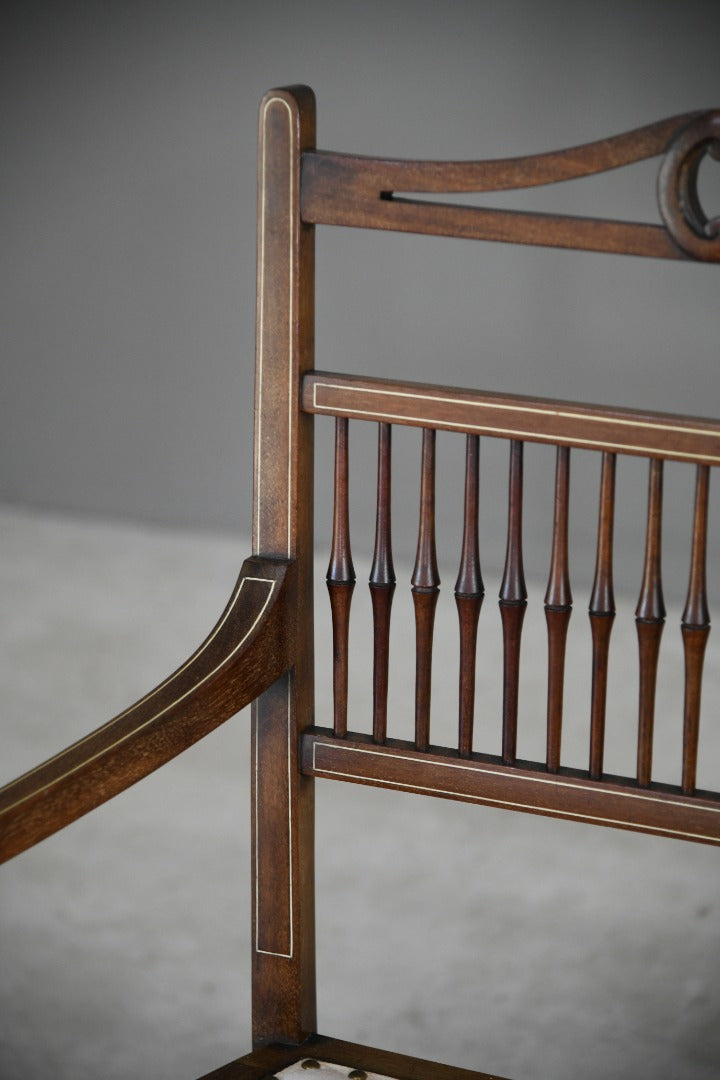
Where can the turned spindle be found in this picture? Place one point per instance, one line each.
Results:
(695, 628)
(513, 602)
(602, 613)
(425, 589)
(558, 608)
(340, 579)
(469, 591)
(382, 585)
(649, 620)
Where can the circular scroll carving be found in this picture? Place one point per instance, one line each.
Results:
(680, 206)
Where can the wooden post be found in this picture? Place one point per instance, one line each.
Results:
(282, 800)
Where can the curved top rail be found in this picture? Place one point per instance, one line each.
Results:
(251, 645)
(506, 174)
(342, 189)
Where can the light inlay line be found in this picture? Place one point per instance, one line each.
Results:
(380, 414)
(170, 679)
(257, 532)
(267, 952)
(554, 782)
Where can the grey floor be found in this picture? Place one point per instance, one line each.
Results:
(524, 946)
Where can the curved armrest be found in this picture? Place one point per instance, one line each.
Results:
(251, 646)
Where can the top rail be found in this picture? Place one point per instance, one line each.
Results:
(343, 189)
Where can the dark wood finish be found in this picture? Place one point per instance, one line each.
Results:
(602, 614)
(678, 197)
(282, 801)
(469, 592)
(695, 630)
(340, 569)
(510, 416)
(250, 647)
(425, 589)
(341, 189)
(484, 778)
(382, 584)
(650, 620)
(513, 602)
(558, 608)
(340, 577)
(262, 647)
(263, 1063)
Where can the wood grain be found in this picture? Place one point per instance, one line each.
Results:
(530, 419)
(558, 608)
(382, 583)
(341, 577)
(614, 801)
(602, 614)
(469, 592)
(283, 966)
(251, 646)
(263, 1063)
(695, 630)
(650, 620)
(342, 189)
(425, 588)
(513, 602)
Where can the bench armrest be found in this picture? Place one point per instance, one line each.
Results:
(250, 647)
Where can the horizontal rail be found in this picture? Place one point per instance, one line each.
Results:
(381, 193)
(349, 1059)
(374, 175)
(393, 214)
(568, 793)
(249, 648)
(593, 427)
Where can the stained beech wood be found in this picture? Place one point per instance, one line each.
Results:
(341, 189)
(382, 584)
(341, 570)
(265, 1062)
(251, 646)
(377, 175)
(485, 779)
(425, 588)
(695, 630)
(283, 934)
(513, 602)
(558, 608)
(341, 577)
(469, 592)
(602, 614)
(650, 619)
(262, 647)
(680, 206)
(531, 419)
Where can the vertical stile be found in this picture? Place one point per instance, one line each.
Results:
(425, 588)
(602, 613)
(558, 607)
(695, 628)
(513, 602)
(650, 619)
(469, 592)
(340, 578)
(382, 585)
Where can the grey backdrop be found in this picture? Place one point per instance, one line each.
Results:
(127, 190)
(128, 201)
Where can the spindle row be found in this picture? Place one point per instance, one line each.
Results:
(469, 593)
